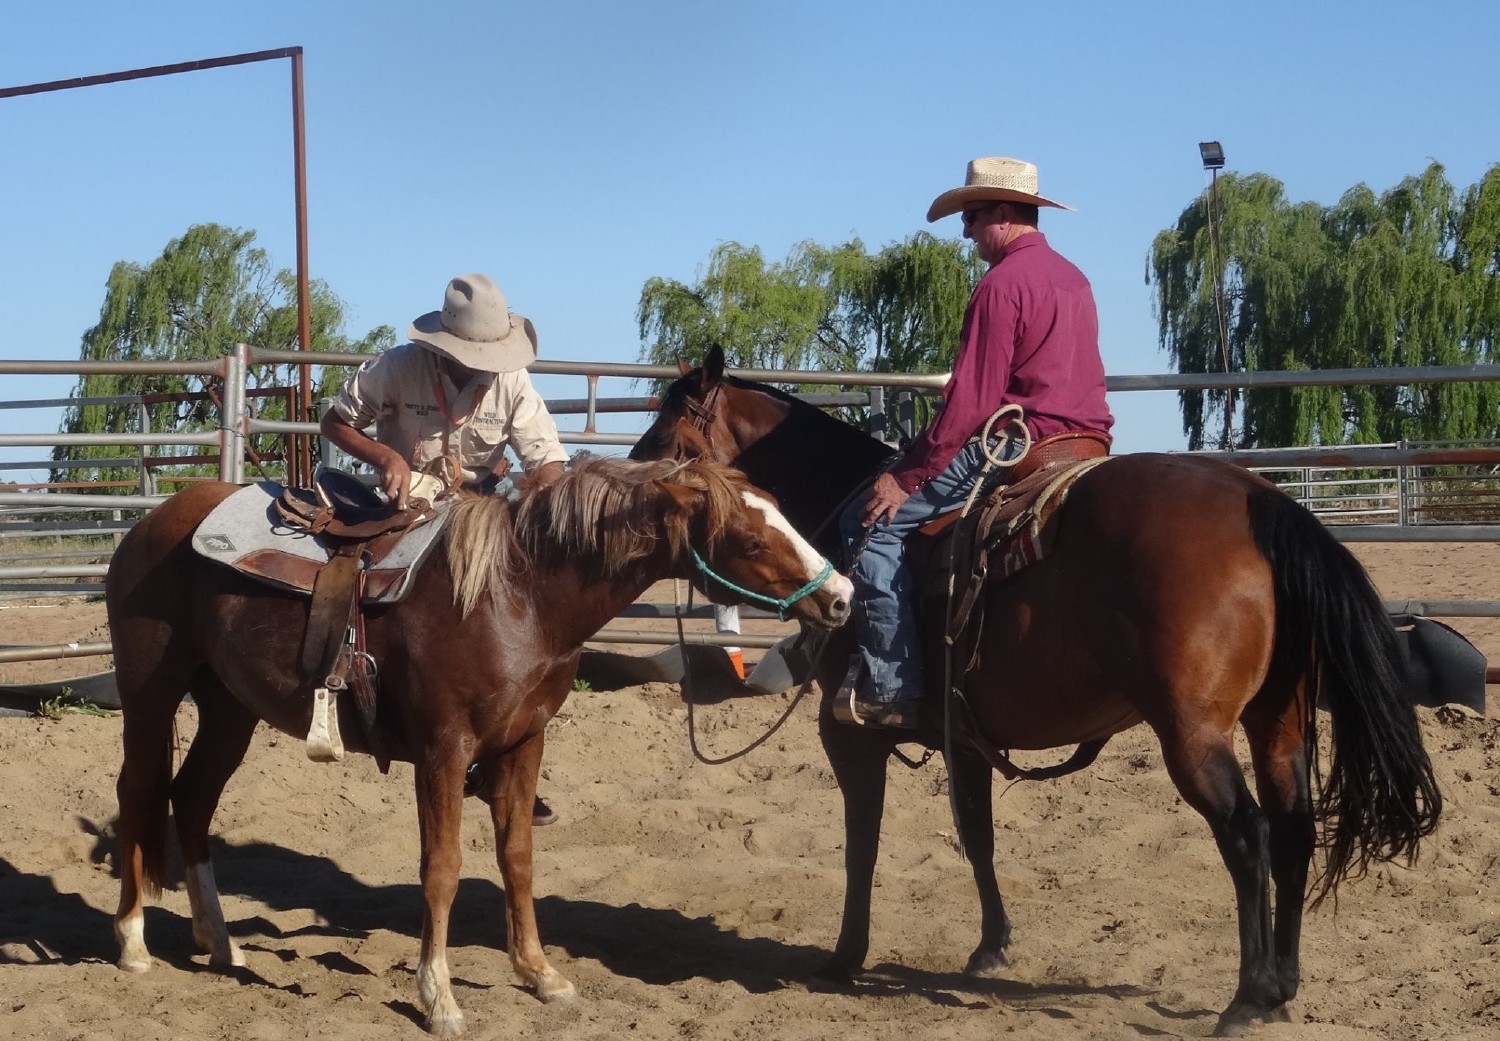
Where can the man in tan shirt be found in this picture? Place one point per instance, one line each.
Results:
(459, 390)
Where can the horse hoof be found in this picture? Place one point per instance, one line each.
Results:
(987, 965)
(446, 1025)
(1237, 1021)
(135, 965)
(553, 988)
(567, 994)
(831, 978)
(235, 959)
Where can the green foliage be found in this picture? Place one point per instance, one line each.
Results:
(209, 289)
(1409, 277)
(839, 307)
(69, 700)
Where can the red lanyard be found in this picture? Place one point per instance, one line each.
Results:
(453, 424)
(442, 400)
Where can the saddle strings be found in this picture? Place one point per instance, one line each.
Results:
(1013, 419)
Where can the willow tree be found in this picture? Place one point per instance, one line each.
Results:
(840, 308)
(1407, 277)
(898, 310)
(764, 316)
(209, 289)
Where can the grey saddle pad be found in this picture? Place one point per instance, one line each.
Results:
(245, 532)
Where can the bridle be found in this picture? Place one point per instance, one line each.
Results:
(703, 413)
(701, 416)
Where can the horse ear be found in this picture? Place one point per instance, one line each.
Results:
(713, 366)
(683, 368)
(682, 502)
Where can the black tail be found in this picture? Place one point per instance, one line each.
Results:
(1380, 798)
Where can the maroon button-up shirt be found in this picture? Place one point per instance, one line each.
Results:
(1030, 336)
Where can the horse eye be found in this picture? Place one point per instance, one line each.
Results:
(754, 545)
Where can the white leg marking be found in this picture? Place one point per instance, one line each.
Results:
(835, 583)
(131, 932)
(209, 928)
(443, 1016)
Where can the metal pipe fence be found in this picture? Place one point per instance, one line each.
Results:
(1348, 487)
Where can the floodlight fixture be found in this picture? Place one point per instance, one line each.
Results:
(1212, 153)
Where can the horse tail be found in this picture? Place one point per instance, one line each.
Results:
(1379, 798)
(154, 837)
(147, 789)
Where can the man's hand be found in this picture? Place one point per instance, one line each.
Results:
(395, 479)
(395, 472)
(882, 500)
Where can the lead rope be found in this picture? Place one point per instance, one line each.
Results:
(1014, 418)
(687, 672)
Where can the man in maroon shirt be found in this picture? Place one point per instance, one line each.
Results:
(1030, 338)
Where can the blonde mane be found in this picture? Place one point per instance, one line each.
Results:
(600, 518)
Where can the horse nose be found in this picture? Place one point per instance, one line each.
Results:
(838, 611)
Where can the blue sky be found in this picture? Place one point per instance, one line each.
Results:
(573, 150)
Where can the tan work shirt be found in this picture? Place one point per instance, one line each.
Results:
(404, 391)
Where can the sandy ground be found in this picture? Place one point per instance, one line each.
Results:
(691, 902)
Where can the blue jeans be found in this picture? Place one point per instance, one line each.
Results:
(885, 602)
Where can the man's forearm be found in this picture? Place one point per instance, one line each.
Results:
(353, 440)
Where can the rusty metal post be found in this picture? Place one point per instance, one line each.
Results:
(300, 446)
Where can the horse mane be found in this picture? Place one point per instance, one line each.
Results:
(600, 518)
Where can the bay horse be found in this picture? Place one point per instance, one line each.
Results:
(1182, 592)
(473, 662)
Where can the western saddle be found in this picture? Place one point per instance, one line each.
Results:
(358, 528)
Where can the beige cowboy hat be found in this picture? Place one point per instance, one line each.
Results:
(993, 179)
(476, 329)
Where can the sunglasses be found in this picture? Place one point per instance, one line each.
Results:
(971, 217)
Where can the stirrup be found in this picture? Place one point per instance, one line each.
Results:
(844, 699)
(847, 708)
(323, 742)
(895, 716)
(843, 706)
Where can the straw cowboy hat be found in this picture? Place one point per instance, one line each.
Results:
(992, 179)
(476, 329)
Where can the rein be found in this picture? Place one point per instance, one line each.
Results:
(753, 745)
(782, 604)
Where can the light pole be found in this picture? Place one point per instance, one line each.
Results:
(1212, 154)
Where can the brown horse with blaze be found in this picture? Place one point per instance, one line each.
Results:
(473, 662)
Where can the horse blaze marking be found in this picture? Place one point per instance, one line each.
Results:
(805, 553)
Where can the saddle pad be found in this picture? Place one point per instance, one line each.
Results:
(245, 532)
(1026, 534)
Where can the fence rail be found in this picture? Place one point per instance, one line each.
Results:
(1370, 493)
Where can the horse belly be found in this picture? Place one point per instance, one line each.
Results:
(1154, 603)
(1049, 670)
(252, 641)
(1026, 704)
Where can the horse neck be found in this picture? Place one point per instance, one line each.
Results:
(812, 463)
(576, 597)
(575, 606)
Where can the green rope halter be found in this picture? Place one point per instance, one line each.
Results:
(760, 598)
